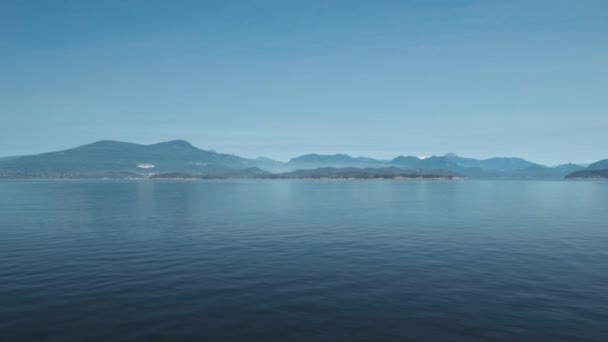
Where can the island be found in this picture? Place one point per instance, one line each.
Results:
(587, 174)
(329, 173)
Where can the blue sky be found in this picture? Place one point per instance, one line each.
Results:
(283, 78)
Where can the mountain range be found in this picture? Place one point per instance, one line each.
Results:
(596, 170)
(114, 159)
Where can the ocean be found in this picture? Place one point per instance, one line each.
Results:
(297, 260)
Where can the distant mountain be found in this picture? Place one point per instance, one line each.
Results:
(544, 172)
(589, 174)
(408, 162)
(433, 162)
(265, 163)
(114, 159)
(600, 165)
(598, 169)
(312, 161)
(111, 158)
(452, 161)
(505, 164)
(498, 167)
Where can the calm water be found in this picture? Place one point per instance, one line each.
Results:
(303, 261)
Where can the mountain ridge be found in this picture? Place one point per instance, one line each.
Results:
(598, 169)
(598, 165)
(126, 158)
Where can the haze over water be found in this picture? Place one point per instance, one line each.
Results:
(303, 260)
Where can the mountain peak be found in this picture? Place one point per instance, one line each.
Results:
(177, 142)
(322, 158)
(107, 142)
(104, 144)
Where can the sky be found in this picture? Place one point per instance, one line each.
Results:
(283, 78)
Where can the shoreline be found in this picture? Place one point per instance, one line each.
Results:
(237, 178)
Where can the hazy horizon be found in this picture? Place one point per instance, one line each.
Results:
(282, 79)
